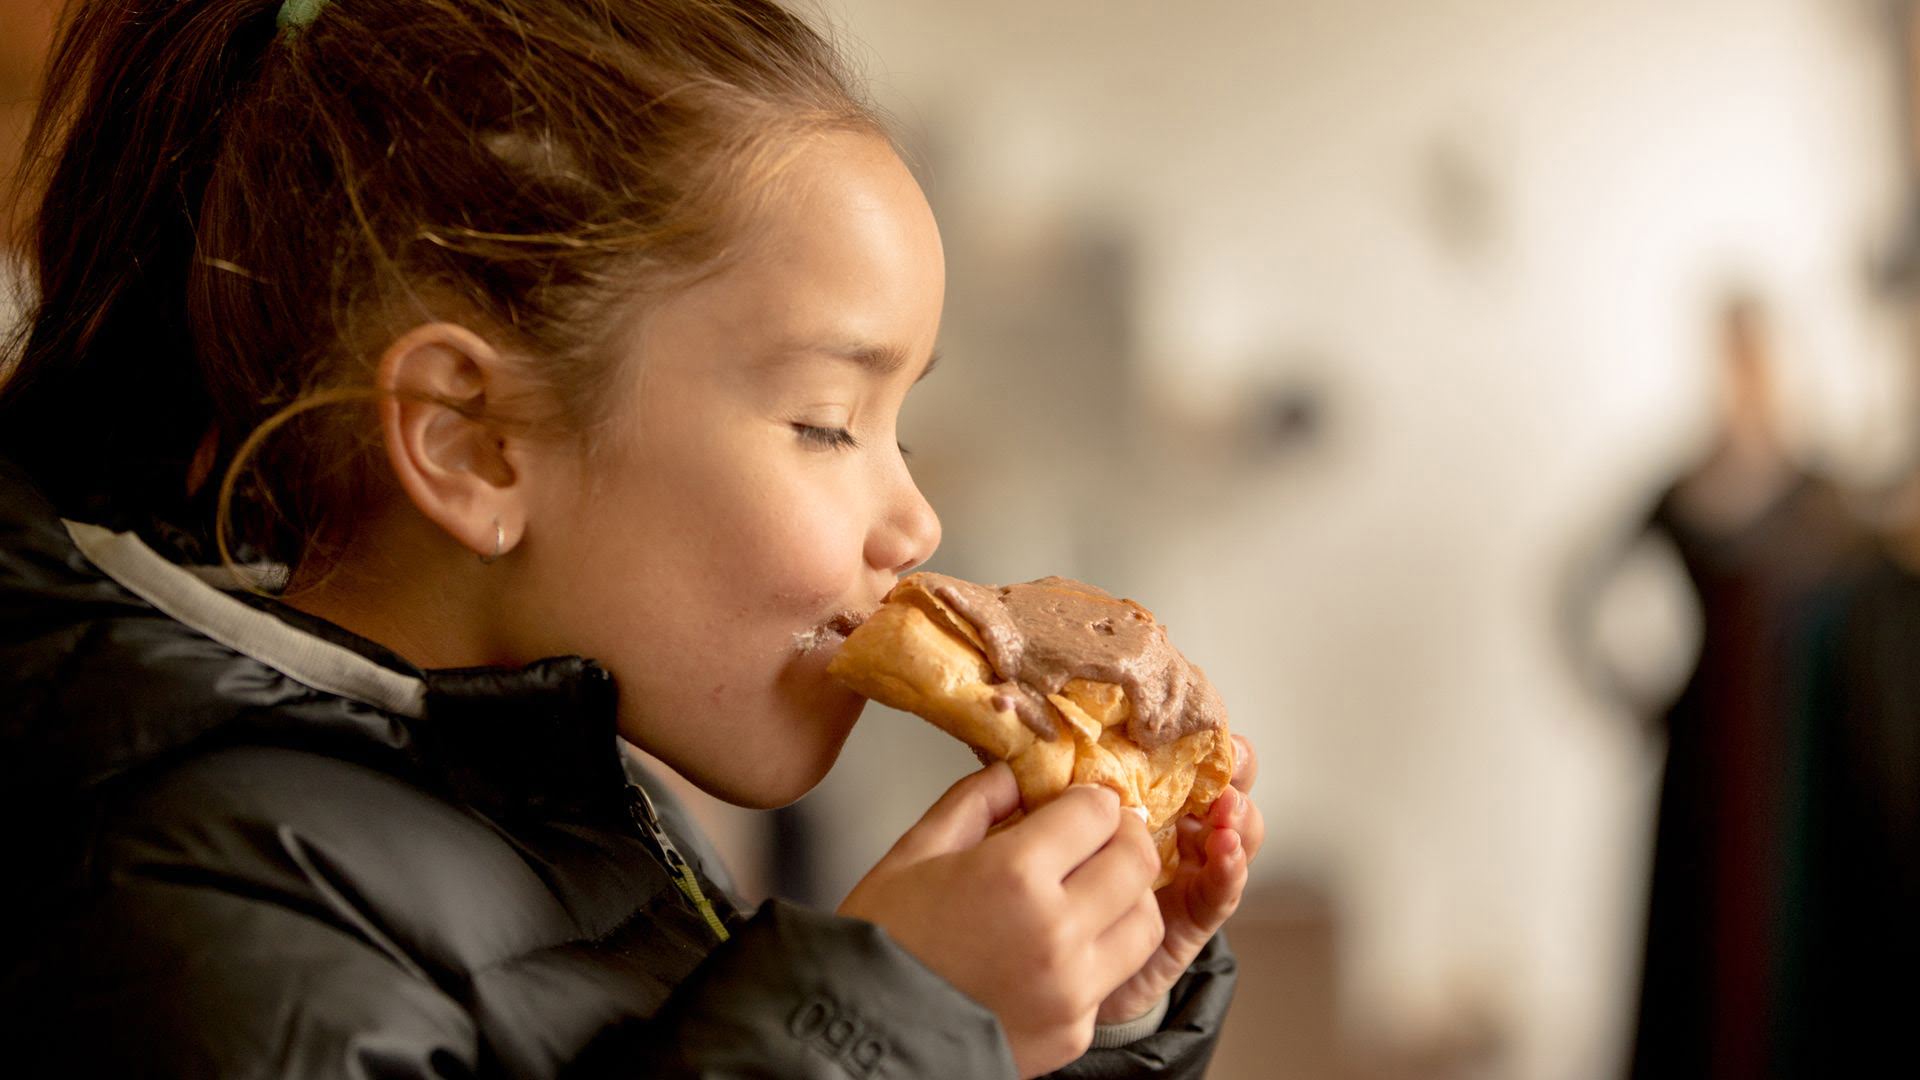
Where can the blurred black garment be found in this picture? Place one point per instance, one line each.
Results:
(1731, 803)
(1850, 906)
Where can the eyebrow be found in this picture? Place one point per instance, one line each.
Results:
(880, 360)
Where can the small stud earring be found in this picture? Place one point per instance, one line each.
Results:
(499, 543)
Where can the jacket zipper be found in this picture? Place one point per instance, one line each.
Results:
(640, 808)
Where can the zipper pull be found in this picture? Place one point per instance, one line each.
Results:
(640, 808)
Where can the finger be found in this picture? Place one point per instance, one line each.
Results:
(1102, 888)
(1235, 811)
(1246, 764)
(1222, 879)
(1227, 809)
(1126, 945)
(1066, 832)
(1191, 834)
(962, 816)
(1251, 824)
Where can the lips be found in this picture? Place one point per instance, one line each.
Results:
(846, 622)
(828, 634)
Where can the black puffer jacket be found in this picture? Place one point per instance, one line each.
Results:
(247, 843)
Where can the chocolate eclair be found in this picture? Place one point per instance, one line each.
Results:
(1063, 681)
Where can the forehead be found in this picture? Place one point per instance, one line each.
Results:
(843, 252)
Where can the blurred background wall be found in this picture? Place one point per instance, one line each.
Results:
(1342, 333)
(1336, 332)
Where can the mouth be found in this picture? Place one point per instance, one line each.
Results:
(846, 622)
(828, 634)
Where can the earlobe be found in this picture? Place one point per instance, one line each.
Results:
(445, 444)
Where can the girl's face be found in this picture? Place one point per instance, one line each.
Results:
(753, 501)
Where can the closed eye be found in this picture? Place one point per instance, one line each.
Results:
(826, 438)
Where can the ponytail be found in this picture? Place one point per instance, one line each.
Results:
(106, 405)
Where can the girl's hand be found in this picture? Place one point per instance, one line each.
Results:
(1215, 851)
(1038, 922)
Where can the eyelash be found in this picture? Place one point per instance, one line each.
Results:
(827, 438)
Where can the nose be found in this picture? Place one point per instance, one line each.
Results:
(907, 533)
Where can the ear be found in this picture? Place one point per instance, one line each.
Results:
(449, 453)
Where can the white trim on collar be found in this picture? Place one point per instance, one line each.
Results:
(300, 656)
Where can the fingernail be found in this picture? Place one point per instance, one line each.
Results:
(1139, 812)
(1101, 789)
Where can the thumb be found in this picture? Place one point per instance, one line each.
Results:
(962, 816)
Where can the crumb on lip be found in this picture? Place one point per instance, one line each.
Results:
(805, 641)
(831, 632)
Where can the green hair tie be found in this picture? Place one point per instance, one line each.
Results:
(297, 15)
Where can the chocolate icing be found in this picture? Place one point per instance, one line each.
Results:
(1040, 634)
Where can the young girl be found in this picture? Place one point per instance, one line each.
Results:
(522, 331)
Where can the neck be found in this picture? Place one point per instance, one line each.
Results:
(422, 596)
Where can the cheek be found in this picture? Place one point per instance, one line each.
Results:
(741, 525)
(797, 537)
(706, 548)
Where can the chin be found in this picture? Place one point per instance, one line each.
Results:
(772, 786)
(778, 775)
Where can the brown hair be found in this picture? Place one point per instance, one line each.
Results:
(231, 214)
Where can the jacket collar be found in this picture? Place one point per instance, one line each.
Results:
(539, 739)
